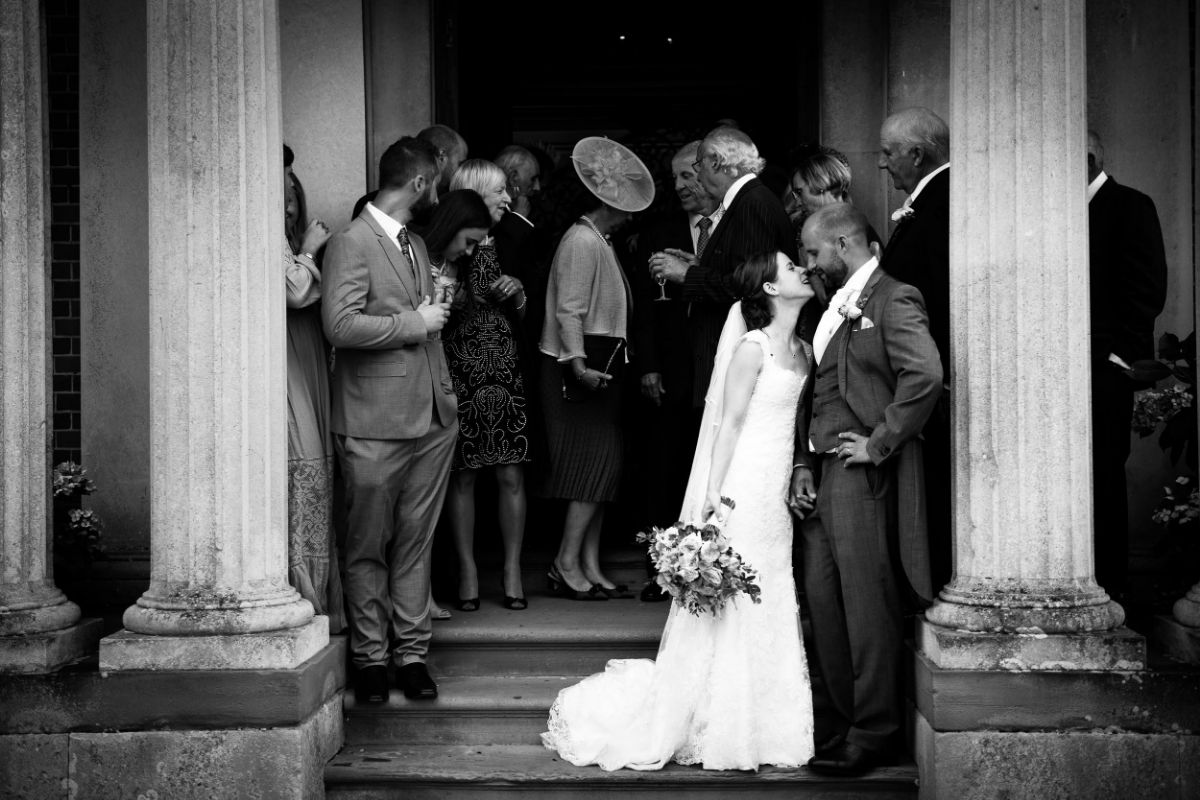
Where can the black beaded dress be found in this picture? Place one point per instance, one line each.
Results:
(484, 358)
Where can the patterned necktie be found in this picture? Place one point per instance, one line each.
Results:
(406, 249)
(704, 223)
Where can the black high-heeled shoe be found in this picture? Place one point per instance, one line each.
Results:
(560, 587)
(513, 603)
(618, 592)
(467, 604)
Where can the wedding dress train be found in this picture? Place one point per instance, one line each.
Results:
(725, 692)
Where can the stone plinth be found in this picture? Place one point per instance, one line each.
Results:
(994, 765)
(1020, 327)
(46, 651)
(283, 649)
(1119, 649)
(29, 600)
(218, 470)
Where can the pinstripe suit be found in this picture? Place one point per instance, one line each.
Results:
(755, 222)
(394, 419)
(882, 381)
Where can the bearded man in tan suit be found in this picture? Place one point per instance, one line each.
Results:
(394, 419)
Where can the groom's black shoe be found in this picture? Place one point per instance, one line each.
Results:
(830, 743)
(847, 759)
(413, 679)
(371, 684)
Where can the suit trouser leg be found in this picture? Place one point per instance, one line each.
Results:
(854, 505)
(410, 554)
(387, 545)
(833, 696)
(1112, 411)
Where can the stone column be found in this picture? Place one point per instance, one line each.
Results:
(38, 625)
(1023, 594)
(219, 595)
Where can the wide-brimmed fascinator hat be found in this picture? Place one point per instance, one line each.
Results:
(612, 172)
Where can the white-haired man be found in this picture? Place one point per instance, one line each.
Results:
(518, 245)
(752, 220)
(914, 148)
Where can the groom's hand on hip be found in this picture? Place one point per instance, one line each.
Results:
(852, 449)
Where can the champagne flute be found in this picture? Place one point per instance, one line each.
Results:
(661, 280)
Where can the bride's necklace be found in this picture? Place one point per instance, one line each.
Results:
(588, 221)
(790, 345)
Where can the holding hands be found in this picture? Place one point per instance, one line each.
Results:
(802, 494)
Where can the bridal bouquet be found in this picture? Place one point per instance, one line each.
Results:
(698, 567)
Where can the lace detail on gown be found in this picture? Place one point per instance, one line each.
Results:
(726, 692)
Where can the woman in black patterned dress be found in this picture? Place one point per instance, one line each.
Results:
(484, 358)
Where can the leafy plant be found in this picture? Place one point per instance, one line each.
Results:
(1170, 407)
(77, 531)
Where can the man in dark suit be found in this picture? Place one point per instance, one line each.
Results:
(394, 420)
(749, 220)
(914, 148)
(1128, 290)
(662, 348)
(877, 380)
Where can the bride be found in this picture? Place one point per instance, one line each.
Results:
(730, 691)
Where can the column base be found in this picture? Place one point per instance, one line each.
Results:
(40, 653)
(55, 613)
(1016, 611)
(284, 649)
(1120, 649)
(1187, 608)
(1178, 640)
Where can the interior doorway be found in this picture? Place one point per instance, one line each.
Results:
(639, 72)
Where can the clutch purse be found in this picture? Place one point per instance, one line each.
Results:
(602, 353)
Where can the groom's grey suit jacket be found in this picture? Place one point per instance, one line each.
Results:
(889, 378)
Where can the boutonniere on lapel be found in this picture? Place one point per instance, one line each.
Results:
(904, 212)
(852, 311)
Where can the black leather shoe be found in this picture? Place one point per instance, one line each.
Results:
(371, 684)
(847, 759)
(653, 593)
(413, 679)
(830, 743)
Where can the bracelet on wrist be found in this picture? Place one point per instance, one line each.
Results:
(521, 305)
(802, 466)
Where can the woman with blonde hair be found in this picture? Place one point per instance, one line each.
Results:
(484, 359)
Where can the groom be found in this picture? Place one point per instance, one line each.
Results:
(877, 380)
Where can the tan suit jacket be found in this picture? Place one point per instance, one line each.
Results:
(390, 379)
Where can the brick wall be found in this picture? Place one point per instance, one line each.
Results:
(62, 79)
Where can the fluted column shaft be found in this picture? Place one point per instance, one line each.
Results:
(217, 358)
(29, 600)
(1021, 349)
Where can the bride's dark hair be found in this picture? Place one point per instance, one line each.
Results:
(756, 270)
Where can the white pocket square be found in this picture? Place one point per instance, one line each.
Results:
(865, 323)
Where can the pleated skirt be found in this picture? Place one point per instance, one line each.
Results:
(583, 440)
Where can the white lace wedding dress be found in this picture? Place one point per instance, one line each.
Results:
(726, 692)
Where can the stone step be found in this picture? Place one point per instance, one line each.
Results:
(554, 636)
(424, 772)
(468, 711)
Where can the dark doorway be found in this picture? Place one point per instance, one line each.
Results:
(548, 73)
